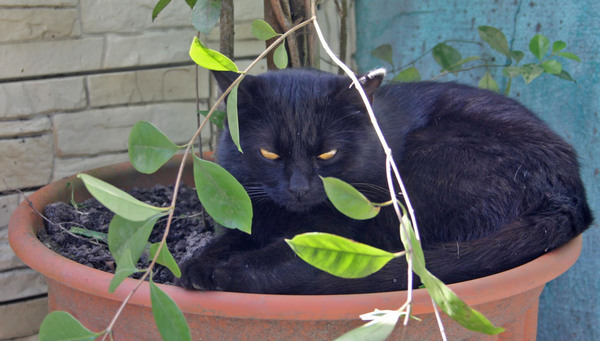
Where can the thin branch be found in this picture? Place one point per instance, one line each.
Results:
(439, 321)
(283, 15)
(390, 164)
(310, 37)
(342, 7)
(181, 168)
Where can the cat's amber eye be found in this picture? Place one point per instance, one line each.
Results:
(328, 155)
(268, 155)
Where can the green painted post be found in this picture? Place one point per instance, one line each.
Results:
(570, 305)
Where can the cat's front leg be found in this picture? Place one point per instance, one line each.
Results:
(273, 269)
(198, 271)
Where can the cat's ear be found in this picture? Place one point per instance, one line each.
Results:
(225, 78)
(371, 81)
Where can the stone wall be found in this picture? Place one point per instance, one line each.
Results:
(75, 75)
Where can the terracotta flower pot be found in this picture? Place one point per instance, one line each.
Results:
(508, 299)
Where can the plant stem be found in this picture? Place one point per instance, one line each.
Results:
(390, 165)
(182, 164)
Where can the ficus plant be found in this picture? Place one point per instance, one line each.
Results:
(226, 201)
(451, 60)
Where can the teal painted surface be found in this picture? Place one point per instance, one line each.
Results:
(570, 305)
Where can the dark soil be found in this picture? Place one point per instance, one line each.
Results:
(188, 231)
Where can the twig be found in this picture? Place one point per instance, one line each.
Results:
(141, 280)
(439, 320)
(391, 167)
(342, 7)
(283, 16)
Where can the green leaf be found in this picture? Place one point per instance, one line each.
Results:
(232, 117)
(539, 46)
(439, 292)
(384, 52)
(348, 200)
(262, 30)
(217, 118)
(165, 258)
(454, 307)
(130, 236)
(446, 56)
(191, 3)
(149, 148)
(376, 330)
(280, 57)
(210, 59)
(160, 5)
(60, 325)
(125, 268)
(169, 319)
(569, 55)
(565, 75)
(495, 38)
(339, 256)
(408, 75)
(97, 235)
(552, 67)
(531, 72)
(517, 56)
(488, 82)
(511, 71)
(205, 15)
(558, 45)
(223, 197)
(120, 202)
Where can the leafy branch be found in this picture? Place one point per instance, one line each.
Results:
(451, 60)
(149, 149)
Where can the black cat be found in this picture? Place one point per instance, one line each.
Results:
(492, 186)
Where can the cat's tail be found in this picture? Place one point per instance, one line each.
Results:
(554, 221)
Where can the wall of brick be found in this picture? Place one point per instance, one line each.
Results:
(75, 75)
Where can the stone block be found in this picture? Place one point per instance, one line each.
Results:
(21, 283)
(20, 128)
(22, 319)
(19, 24)
(34, 3)
(8, 259)
(21, 99)
(260, 67)
(106, 130)
(70, 166)
(243, 31)
(243, 48)
(51, 57)
(149, 48)
(136, 15)
(146, 86)
(26, 162)
(109, 16)
(8, 203)
(244, 10)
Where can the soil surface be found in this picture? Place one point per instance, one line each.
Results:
(188, 231)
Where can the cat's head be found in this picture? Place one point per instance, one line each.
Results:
(296, 125)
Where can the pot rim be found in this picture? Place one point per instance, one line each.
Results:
(24, 224)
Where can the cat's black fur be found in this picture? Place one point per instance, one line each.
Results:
(492, 186)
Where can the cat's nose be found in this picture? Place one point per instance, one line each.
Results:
(299, 185)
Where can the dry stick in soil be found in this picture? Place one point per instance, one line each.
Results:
(181, 167)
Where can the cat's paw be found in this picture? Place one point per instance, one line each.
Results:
(198, 274)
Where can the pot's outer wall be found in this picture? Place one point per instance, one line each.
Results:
(509, 299)
(413, 27)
